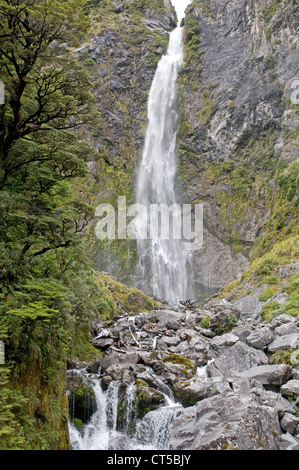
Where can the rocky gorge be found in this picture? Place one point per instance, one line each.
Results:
(222, 374)
(205, 354)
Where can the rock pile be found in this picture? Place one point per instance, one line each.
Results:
(236, 379)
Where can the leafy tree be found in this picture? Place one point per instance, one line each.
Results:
(42, 256)
(48, 95)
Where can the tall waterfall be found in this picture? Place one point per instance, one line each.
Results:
(163, 264)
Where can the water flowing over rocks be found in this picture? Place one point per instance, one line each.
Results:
(167, 382)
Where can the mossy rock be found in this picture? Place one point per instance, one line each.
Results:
(126, 299)
(82, 404)
(148, 399)
(187, 367)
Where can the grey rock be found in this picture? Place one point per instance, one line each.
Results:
(242, 331)
(284, 342)
(249, 306)
(220, 343)
(102, 343)
(166, 316)
(170, 341)
(118, 358)
(239, 357)
(289, 423)
(281, 320)
(93, 367)
(191, 391)
(288, 442)
(286, 329)
(228, 422)
(290, 389)
(268, 374)
(260, 338)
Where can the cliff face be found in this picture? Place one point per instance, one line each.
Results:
(238, 132)
(239, 125)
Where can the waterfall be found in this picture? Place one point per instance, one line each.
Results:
(163, 263)
(104, 433)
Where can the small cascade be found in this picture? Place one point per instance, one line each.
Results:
(104, 432)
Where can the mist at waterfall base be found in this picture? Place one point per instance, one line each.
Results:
(163, 265)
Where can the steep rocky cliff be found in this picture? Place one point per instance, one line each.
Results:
(237, 142)
(239, 129)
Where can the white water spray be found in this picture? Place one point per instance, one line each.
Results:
(163, 264)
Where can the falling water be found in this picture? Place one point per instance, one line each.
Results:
(163, 264)
(103, 433)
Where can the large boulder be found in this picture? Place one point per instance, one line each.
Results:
(191, 391)
(148, 398)
(284, 342)
(260, 338)
(268, 374)
(291, 389)
(230, 422)
(237, 357)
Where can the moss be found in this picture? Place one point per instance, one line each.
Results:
(207, 105)
(270, 10)
(268, 293)
(281, 357)
(292, 285)
(270, 310)
(148, 399)
(78, 424)
(205, 323)
(126, 299)
(189, 367)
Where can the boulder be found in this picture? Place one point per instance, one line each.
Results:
(239, 357)
(268, 374)
(119, 358)
(191, 391)
(284, 342)
(289, 423)
(102, 343)
(231, 422)
(290, 389)
(281, 320)
(286, 329)
(260, 338)
(147, 398)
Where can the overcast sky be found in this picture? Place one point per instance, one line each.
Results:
(180, 6)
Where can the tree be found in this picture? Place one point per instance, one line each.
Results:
(48, 97)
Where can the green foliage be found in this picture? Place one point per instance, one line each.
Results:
(205, 323)
(270, 10)
(281, 357)
(270, 310)
(268, 293)
(49, 292)
(192, 40)
(10, 437)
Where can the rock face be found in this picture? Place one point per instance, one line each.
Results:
(237, 111)
(229, 391)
